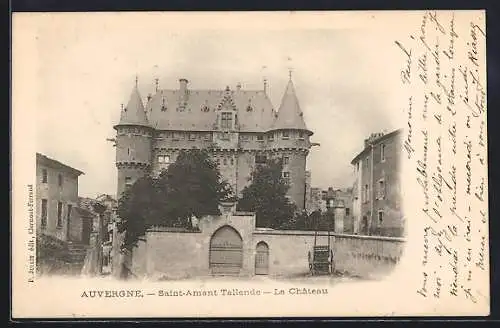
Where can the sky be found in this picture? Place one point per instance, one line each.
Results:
(344, 75)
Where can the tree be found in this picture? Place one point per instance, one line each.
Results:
(266, 196)
(135, 208)
(192, 186)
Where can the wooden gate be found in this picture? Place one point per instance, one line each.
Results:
(226, 252)
(262, 259)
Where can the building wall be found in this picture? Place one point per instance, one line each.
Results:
(233, 151)
(390, 204)
(297, 170)
(175, 255)
(129, 171)
(169, 254)
(373, 170)
(67, 194)
(133, 154)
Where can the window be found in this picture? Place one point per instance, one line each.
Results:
(44, 176)
(286, 160)
(260, 137)
(382, 153)
(357, 166)
(260, 159)
(286, 134)
(163, 159)
(225, 136)
(271, 137)
(347, 211)
(301, 135)
(381, 189)
(367, 162)
(232, 161)
(44, 213)
(192, 136)
(224, 161)
(226, 120)
(286, 177)
(208, 136)
(60, 180)
(366, 193)
(128, 182)
(177, 135)
(68, 212)
(380, 217)
(59, 214)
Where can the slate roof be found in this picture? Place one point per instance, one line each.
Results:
(290, 115)
(134, 113)
(197, 110)
(200, 112)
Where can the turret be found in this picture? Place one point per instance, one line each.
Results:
(292, 140)
(133, 142)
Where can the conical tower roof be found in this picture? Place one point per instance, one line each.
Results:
(289, 114)
(134, 113)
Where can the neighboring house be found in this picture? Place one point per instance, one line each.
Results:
(240, 128)
(377, 188)
(58, 214)
(108, 225)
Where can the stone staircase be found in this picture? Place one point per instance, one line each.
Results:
(75, 257)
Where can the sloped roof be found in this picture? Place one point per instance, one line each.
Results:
(44, 160)
(255, 112)
(290, 115)
(84, 213)
(134, 113)
(374, 142)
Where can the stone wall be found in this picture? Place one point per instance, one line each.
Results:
(169, 254)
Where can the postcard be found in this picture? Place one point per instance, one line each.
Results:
(249, 164)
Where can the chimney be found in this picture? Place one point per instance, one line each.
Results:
(183, 86)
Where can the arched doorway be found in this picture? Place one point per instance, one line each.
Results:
(262, 259)
(226, 252)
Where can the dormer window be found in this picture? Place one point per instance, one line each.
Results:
(286, 135)
(226, 121)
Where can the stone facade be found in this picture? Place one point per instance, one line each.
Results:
(239, 127)
(377, 198)
(174, 254)
(57, 211)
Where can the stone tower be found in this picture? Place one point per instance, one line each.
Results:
(292, 143)
(133, 142)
